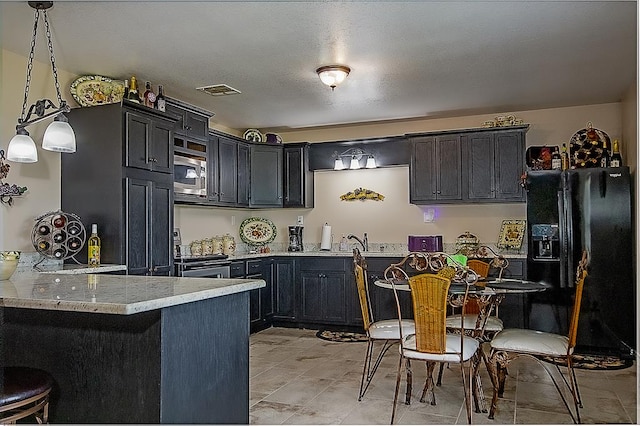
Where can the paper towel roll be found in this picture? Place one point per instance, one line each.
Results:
(325, 243)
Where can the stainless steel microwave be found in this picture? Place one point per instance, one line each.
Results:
(189, 175)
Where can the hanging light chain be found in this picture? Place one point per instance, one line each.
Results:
(30, 65)
(53, 59)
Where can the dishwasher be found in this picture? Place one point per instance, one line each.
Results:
(211, 266)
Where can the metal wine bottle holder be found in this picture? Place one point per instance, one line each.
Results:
(58, 235)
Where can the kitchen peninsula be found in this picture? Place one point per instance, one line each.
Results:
(133, 349)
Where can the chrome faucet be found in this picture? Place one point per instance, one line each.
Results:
(364, 242)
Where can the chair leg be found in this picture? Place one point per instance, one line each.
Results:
(395, 396)
(439, 382)
(497, 367)
(369, 371)
(407, 400)
(577, 402)
(428, 384)
(467, 389)
(478, 393)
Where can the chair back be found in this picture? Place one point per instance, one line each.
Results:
(429, 297)
(482, 269)
(360, 272)
(581, 275)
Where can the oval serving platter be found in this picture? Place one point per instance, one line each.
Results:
(257, 231)
(92, 90)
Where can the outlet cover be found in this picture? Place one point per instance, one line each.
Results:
(300, 220)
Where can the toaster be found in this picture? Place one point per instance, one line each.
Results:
(429, 243)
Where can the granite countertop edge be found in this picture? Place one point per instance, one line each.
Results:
(114, 294)
(242, 256)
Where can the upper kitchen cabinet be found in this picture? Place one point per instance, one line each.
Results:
(494, 163)
(265, 176)
(109, 182)
(298, 179)
(191, 121)
(435, 169)
(467, 166)
(230, 169)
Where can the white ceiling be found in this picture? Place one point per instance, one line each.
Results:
(408, 59)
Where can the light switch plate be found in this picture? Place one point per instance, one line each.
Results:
(300, 220)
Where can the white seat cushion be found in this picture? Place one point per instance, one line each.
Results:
(453, 348)
(389, 329)
(493, 324)
(531, 342)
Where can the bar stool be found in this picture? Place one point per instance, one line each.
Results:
(25, 392)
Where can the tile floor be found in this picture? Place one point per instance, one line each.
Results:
(297, 378)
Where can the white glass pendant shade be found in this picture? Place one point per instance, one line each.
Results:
(371, 162)
(59, 137)
(338, 165)
(333, 75)
(22, 149)
(355, 164)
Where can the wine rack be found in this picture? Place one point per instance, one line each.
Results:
(58, 235)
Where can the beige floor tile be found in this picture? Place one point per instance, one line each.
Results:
(527, 416)
(270, 413)
(299, 391)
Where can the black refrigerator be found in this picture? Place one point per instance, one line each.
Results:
(572, 210)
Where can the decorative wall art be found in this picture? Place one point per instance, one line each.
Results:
(511, 234)
(362, 194)
(8, 191)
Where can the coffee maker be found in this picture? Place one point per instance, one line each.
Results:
(295, 238)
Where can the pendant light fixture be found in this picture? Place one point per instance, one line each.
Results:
(332, 75)
(353, 155)
(59, 136)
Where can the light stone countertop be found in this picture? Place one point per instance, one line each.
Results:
(241, 256)
(113, 294)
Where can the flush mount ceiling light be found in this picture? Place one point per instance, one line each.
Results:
(353, 155)
(332, 75)
(59, 136)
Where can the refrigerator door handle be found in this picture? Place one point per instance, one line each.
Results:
(603, 184)
(564, 216)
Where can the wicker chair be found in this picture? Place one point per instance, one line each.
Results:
(431, 343)
(513, 343)
(385, 331)
(25, 393)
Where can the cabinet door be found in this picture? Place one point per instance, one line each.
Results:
(509, 165)
(138, 231)
(266, 176)
(284, 289)
(227, 171)
(448, 167)
(298, 180)
(138, 134)
(189, 123)
(161, 146)
(243, 174)
(422, 184)
(334, 297)
(311, 296)
(480, 166)
(161, 220)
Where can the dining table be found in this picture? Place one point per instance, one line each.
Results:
(488, 292)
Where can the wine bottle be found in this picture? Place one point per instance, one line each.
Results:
(43, 229)
(605, 161)
(149, 97)
(94, 247)
(564, 157)
(133, 90)
(59, 221)
(60, 253)
(43, 245)
(125, 95)
(161, 103)
(616, 158)
(59, 236)
(556, 160)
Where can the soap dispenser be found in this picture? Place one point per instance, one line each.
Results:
(344, 244)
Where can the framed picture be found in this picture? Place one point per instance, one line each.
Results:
(511, 234)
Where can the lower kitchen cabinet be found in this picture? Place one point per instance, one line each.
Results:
(284, 289)
(383, 302)
(260, 299)
(323, 291)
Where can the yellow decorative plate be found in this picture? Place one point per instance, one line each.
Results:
(511, 234)
(92, 90)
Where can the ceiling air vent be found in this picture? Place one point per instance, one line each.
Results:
(219, 90)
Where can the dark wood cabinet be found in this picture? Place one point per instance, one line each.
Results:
(265, 175)
(323, 287)
(494, 164)
(436, 169)
(191, 121)
(512, 310)
(467, 166)
(242, 171)
(298, 179)
(227, 166)
(112, 180)
(284, 289)
(260, 299)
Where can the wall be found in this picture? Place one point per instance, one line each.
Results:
(391, 220)
(388, 221)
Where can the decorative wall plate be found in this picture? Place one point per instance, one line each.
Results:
(253, 135)
(511, 234)
(257, 231)
(92, 90)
